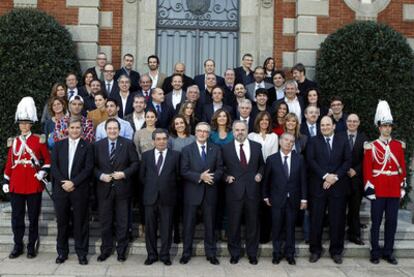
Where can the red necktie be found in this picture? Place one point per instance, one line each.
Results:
(243, 160)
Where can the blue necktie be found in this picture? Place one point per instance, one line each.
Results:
(329, 146)
(158, 107)
(312, 130)
(203, 153)
(112, 153)
(71, 93)
(286, 167)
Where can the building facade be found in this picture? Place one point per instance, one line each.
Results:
(192, 30)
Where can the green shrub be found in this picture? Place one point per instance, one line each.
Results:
(364, 62)
(35, 52)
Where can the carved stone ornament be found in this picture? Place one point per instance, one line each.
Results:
(267, 4)
(366, 9)
(198, 7)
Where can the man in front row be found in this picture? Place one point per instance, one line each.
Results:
(285, 190)
(244, 168)
(115, 161)
(72, 167)
(159, 173)
(201, 168)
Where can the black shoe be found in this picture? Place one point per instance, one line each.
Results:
(15, 253)
(291, 260)
(185, 259)
(234, 260)
(83, 260)
(314, 258)
(102, 257)
(150, 261)
(61, 259)
(31, 253)
(121, 258)
(166, 262)
(391, 259)
(357, 241)
(213, 260)
(253, 260)
(374, 260)
(276, 260)
(337, 259)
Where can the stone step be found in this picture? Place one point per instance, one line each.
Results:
(403, 249)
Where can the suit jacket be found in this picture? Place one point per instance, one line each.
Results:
(208, 112)
(168, 100)
(167, 87)
(192, 166)
(133, 75)
(251, 90)
(130, 119)
(126, 160)
(164, 119)
(163, 186)
(95, 74)
(199, 80)
(250, 123)
(114, 88)
(241, 76)
(161, 79)
(129, 103)
(304, 129)
(357, 155)
(321, 163)
(82, 166)
(276, 185)
(244, 178)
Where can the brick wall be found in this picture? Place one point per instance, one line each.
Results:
(112, 36)
(393, 16)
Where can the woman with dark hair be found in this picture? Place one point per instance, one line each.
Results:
(269, 67)
(263, 134)
(180, 137)
(57, 108)
(99, 114)
(313, 99)
(89, 97)
(143, 138)
(87, 77)
(292, 126)
(58, 90)
(281, 110)
(187, 110)
(221, 128)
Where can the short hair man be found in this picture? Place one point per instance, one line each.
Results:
(154, 72)
(304, 84)
(137, 118)
(127, 69)
(310, 127)
(337, 113)
(209, 67)
(98, 69)
(259, 76)
(244, 73)
(179, 68)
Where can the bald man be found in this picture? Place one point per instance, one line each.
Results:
(179, 68)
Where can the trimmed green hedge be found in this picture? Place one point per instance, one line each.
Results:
(364, 62)
(35, 52)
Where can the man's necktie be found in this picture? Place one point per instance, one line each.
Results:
(159, 163)
(158, 107)
(243, 160)
(71, 93)
(312, 130)
(351, 141)
(112, 153)
(328, 145)
(203, 153)
(286, 167)
(108, 87)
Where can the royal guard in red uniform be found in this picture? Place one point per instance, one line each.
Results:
(28, 162)
(384, 179)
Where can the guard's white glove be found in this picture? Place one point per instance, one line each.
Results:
(40, 175)
(6, 188)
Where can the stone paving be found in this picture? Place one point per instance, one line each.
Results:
(44, 265)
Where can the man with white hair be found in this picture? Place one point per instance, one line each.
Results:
(245, 110)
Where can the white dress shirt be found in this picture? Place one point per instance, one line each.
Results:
(138, 121)
(111, 84)
(270, 143)
(200, 150)
(176, 97)
(217, 106)
(73, 144)
(157, 154)
(124, 102)
(289, 159)
(294, 107)
(246, 149)
(75, 92)
(154, 79)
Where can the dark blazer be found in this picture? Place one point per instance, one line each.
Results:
(304, 130)
(133, 75)
(167, 87)
(126, 160)
(82, 166)
(164, 186)
(199, 80)
(255, 110)
(164, 119)
(358, 154)
(130, 119)
(271, 96)
(250, 123)
(129, 103)
(192, 166)
(320, 163)
(168, 100)
(251, 90)
(208, 112)
(276, 186)
(95, 74)
(244, 178)
(114, 89)
(241, 76)
(300, 144)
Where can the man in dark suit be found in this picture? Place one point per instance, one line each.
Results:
(109, 85)
(244, 168)
(126, 69)
(229, 84)
(177, 95)
(98, 69)
(157, 104)
(244, 73)
(115, 162)
(310, 127)
(145, 83)
(209, 67)
(72, 167)
(123, 97)
(159, 173)
(179, 68)
(259, 76)
(329, 159)
(356, 140)
(244, 111)
(285, 190)
(201, 169)
(137, 118)
(304, 84)
(209, 109)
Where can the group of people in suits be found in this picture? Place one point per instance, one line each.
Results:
(211, 144)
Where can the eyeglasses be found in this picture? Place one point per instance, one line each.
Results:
(202, 131)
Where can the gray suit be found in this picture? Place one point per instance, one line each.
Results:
(251, 90)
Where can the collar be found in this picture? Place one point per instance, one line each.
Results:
(385, 140)
(351, 133)
(282, 155)
(290, 101)
(237, 143)
(110, 141)
(199, 144)
(76, 141)
(164, 152)
(331, 137)
(310, 124)
(139, 116)
(177, 92)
